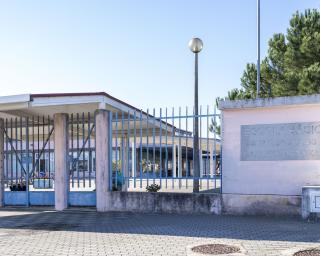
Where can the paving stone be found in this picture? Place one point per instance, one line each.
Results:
(88, 233)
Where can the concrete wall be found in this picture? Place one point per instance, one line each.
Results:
(272, 205)
(266, 177)
(164, 202)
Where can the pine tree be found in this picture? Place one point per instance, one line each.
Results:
(292, 65)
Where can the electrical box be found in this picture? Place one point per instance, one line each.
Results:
(315, 201)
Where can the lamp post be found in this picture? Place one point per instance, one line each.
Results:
(196, 46)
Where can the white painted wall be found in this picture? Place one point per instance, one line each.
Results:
(266, 177)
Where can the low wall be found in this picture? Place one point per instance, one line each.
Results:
(36, 198)
(164, 202)
(46, 198)
(273, 205)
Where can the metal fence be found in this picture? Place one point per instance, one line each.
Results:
(152, 147)
(82, 151)
(28, 153)
(157, 148)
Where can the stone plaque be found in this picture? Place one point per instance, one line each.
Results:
(274, 142)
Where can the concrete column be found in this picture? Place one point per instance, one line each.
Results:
(124, 151)
(1, 162)
(103, 161)
(61, 174)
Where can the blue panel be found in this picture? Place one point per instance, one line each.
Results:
(15, 198)
(83, 198)
(44, 198)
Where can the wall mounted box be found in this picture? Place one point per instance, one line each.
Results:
(310, 201)
(315, 201)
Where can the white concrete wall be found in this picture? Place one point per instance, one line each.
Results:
(266, 177)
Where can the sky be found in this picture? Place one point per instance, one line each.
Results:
(135, 50)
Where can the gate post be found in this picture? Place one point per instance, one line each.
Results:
(1, 162)
(61, 176)
(103, 120)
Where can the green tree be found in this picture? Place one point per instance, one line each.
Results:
(292, 65)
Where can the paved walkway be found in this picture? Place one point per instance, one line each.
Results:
(38, 232)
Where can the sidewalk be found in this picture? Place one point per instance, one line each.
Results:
(75, 232)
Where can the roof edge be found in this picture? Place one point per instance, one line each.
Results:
(270, 102)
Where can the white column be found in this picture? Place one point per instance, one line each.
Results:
(1, 162)
(61, 175)
(103, 148)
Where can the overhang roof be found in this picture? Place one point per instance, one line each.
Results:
(28, 105)
(48, 104)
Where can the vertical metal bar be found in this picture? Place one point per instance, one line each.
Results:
(49, 150)
(221, 168)
(27, 153)
(94, 148)
(128, 152)
(200, 149)
(89, 148)
(153, 147)
(77, 155)
(11, 145)
(167, 155)
(141, 169)
(147, 135)
(38, 150)
(173, 150)
(207, 160)
(187, 161)
(110, 150)
(33, 152)
(179, 152)
(72, 151)
(116, 151)
(214, 150)
(258, 48)
(7, 154)
(16, 146)
(123, 142)
(160, 147)
(21, 151)
(83, 152)
(44, 154)
(134, 149)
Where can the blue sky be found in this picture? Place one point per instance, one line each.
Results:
(135, 50)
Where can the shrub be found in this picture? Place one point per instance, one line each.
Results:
(153, 188)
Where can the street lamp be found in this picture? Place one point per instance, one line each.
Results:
(196, 46)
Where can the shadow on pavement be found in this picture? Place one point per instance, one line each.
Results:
(230, 227)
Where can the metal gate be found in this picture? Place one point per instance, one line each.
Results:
(29, 161)
(82, 165)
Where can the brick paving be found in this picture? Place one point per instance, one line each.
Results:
(77, 232)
